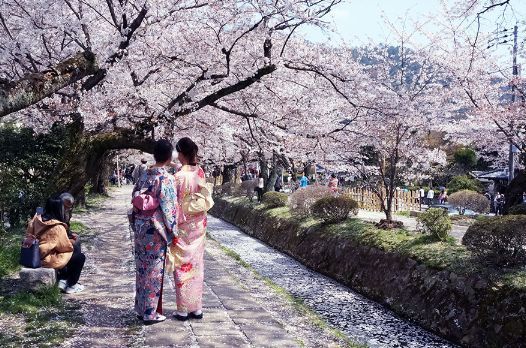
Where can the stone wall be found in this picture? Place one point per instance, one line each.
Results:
(469, 310)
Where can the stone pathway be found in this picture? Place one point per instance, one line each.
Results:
(361, 319)
(241, 310)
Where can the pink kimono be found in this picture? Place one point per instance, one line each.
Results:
(190, 244)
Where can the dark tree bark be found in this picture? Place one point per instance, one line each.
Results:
(84, 158)
(17, 95)
(228, 174)
(100, 181)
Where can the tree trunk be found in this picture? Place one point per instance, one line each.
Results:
(17, 95)
(84, 158)
(228, 173)
(100, 181)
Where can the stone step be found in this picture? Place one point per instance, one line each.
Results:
(34, 278)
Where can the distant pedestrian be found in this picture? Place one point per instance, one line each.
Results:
(140, 170)
(260, 187)
(524, 198)
(333, 183)
(430, 196)
(499, 204)
(304, 181)
(442, 197)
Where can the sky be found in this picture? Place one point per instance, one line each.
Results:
(358, 21)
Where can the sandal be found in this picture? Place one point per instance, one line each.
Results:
(180, 317)
(195, 316)
(158, 319)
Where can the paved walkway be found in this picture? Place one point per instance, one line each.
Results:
(240, 309)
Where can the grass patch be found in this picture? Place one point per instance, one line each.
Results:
(48, 319)
(405, 213)
(78, 227)
(31, 302)
(93, 201)
(10, 242)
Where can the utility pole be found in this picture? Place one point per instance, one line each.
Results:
(511, 162)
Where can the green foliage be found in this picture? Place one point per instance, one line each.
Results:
(463, 182)
(465, 157)
(47, 319)
(436, 222)
(27, 166)
(10, 251)
(274, 199)
(467, 199)
(499, 240)
(30, 302)
(334, 209)
(519, 209)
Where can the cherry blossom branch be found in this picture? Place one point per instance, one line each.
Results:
(17, 95)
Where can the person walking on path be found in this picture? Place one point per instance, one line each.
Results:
(260, 187)
(154, 229)
(430, 196)
(56, 249)
(139, 171)
(189, 246)
(333, 183)
(499, 204)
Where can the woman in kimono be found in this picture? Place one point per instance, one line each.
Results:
(189, 246)
(154, 230)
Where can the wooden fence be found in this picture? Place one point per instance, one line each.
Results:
(368, 200)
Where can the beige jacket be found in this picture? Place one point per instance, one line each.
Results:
(55, 247)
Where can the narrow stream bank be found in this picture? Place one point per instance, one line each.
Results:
(361, 319)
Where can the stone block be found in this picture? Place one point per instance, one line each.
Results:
(34, 278)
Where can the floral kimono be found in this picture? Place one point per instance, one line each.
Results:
(189, 246)
(152, 234)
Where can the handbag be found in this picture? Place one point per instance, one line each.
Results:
(30, 253)
(198, 202)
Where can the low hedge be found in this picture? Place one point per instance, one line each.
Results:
(519, 209)
(334, 209)
(499, 240)
(274, 199)
(436, 222)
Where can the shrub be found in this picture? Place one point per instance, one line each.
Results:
(436, 222)
(500, 240)
(463, 182)
(465, 157)
(302, 199)
(274, 199)
(519, 209)
(467, 199)
(334, 209)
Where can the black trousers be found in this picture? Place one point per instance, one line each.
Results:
(260, 193)
(71, 273)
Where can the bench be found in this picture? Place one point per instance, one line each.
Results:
(34, 278)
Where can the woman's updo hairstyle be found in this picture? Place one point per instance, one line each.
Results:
(188, 149)
(162, 150)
